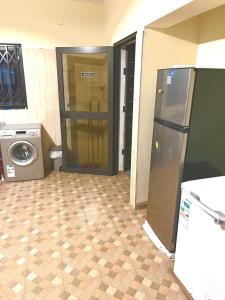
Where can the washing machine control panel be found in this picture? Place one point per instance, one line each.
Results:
(33, 132)
(9, 134)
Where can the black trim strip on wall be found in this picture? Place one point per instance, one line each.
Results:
(171, 125)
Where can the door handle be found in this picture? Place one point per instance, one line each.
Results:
(157, 145)
(218, 216)
(160, 91)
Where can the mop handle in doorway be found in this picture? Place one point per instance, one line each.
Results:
(92, 134)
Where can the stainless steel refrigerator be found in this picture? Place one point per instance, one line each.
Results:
(188, 141)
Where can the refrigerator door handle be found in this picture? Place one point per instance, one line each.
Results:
(160, 91)
(157, 145)
(218, 216)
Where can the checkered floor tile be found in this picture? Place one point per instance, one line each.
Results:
(75, 236)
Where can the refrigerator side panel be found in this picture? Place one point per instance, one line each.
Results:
(174, 93)
(168, 150)
(205, 155)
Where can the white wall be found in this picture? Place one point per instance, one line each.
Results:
(211, 48)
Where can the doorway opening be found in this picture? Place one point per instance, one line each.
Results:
(96, 90)
(125, 59)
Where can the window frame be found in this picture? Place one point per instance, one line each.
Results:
(22, 101)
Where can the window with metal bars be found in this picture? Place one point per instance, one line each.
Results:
(12, 82)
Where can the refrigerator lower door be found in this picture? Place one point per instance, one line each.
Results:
(168, 149)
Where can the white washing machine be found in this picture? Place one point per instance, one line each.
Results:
(21, 148)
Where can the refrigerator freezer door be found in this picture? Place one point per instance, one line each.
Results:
(168, 149)
(174, 95)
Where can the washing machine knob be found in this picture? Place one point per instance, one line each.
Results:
(32, 133)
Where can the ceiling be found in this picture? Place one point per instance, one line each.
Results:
(96, 1)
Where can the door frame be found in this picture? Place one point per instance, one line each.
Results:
(130, 39)
(109, 116)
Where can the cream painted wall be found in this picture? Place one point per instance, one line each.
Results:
(199, 41)
(211, 47)
(35, 23)
(191, 10)
(132, 16)
(42, 93)
(42, 90)
(42, 96)
(160, 50)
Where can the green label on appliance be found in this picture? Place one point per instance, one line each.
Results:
(186, 204)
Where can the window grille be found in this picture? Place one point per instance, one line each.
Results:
(12, 82)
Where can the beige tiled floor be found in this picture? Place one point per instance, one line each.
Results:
(74, 236)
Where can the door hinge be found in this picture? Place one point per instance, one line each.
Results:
(125, 71)
(123, 151)
(124, 108)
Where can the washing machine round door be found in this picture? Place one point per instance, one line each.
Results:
(22, 153)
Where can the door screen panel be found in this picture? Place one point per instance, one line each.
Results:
(85, 79)
(87, 143)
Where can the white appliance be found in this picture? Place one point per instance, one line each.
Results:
(200, 250)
